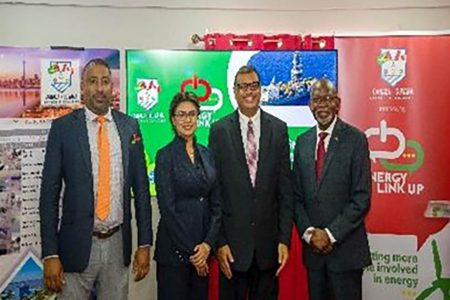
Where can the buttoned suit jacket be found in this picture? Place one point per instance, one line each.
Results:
(339, 201)
(68, 162)
(255, 219)
(188, 200)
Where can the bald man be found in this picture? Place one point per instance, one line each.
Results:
(332, 187)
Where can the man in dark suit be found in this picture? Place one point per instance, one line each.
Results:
(251, 150)
(95, 157)
(332, 188)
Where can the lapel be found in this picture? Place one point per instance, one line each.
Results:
(239, 150)
(332, 147)
(125, 140)
(236, 137)
(265, 140)
(209, 172)
(79, 124)
(179, 151)
(309, 151)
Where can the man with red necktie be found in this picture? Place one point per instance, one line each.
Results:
(332, 190)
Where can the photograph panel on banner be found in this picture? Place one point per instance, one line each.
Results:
(22, 150)
(396, 90)
(45, 83)
(155, 76)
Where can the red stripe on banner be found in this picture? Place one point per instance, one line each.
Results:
(293, 279)
(214, 279)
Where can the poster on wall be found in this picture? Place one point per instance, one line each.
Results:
(45, 83)
(36, 86)
(155, 76)
(396, 90)
(22, 149)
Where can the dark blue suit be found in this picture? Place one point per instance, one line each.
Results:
(256, 219)
(188, 199)
(339, 201)
(68, 161)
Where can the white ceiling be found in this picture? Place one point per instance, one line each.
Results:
(279, 5)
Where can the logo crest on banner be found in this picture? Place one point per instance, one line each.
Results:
(60, 75)
(60, 84)
(393, 65)
(147, 93)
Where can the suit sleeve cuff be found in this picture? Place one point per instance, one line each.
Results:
(50, 256)
(330, 235)
(221, 241)
(307, 234)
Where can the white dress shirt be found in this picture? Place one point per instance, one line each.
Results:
(243, 122)
(308, 232)
(115, 217)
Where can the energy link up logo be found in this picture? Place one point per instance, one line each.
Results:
(211, 99)
(385, 156)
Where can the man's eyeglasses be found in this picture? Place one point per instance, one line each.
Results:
(326, 99)
(184, 115)
(253, 86)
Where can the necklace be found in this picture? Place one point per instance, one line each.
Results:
(191, 154)
(190, 149)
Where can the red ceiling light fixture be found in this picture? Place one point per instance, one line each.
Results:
(229, 41)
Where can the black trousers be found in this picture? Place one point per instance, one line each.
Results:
(328, 285)
(253, 284)
(180, 283)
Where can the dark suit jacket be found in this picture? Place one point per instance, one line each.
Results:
(68, 160)
(255, 219)
(340, 201)
(189, 202)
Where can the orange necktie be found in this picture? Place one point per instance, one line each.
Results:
(103, 206)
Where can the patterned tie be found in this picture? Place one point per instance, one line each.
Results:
(320, 154)
(103, 205)
(251, 153)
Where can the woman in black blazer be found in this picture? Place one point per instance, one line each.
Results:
(189, 202)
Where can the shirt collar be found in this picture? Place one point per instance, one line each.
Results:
(91, 116)
(329, 130)
(243, 119)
